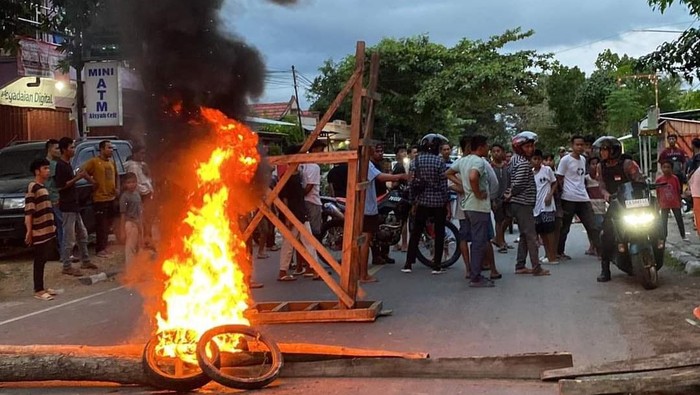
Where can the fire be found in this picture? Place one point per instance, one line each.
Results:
(206, 285)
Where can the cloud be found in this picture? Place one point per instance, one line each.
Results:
(311, 31)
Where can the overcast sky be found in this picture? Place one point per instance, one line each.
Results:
(311, 31)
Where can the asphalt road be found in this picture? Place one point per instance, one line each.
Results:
(567, 311)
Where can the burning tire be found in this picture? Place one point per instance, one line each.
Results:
(247, 383)
(185, 377)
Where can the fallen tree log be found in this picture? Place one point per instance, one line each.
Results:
(122, 364)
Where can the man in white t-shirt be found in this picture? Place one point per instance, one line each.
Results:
(571, 174)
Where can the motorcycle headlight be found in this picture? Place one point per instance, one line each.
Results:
(13, 203)
(638, 219)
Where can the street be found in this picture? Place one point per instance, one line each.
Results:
(566, 312)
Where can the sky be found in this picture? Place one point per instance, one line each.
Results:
(309, 32)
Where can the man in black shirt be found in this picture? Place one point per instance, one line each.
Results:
(338, 180)
(292, 194)
(68, 204)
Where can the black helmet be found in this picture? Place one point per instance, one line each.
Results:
(612, 144)
(431, 142)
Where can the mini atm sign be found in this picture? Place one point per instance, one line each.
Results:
(103, 94)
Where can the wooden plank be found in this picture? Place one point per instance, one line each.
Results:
(312, 306)
(367, 314)
(272, 195)
(313, 157)
(284, 306)
(526, 366)
(355, 201)
(320, 270)
(663, 361)
(657, 380)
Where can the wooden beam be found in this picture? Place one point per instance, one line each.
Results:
(309, 140)
(313, 157)
(287, 234)
(372, 95)
(354, 204)
(527, 366)
(657, 380)
(365, 311)
(663, 361)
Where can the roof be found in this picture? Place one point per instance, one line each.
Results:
(275, 111)
(264, 121)
(688, 114)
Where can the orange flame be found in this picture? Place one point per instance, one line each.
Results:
(206, 285)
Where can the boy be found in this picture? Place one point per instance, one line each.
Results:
(670, 197)
(131, 211)
(39, 221)
(545, 208)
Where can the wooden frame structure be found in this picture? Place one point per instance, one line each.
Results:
(347, 308)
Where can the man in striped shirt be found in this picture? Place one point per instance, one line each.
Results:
(522, 195)
(39, 221)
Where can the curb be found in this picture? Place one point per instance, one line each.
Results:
(680, 249)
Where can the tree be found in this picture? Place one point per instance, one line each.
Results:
(562, 88)
(679, 57)
(473, 86)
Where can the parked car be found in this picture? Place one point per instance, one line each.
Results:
(15, 176)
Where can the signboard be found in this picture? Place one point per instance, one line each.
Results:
(38, 59)
(103, 94)
(18, 94)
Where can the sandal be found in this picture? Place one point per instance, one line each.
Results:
(54, 292)
(263, 256)
(288, 277)
(274, 248)
(564, 257)
(496, 276)
(43, 296)
(541, 272)
(503, 250)
(523, 271)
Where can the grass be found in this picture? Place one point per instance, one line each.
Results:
(670, 261)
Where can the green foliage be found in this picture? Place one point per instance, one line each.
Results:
(689, 100)
(294, 134)
(679, 57)
(562, 86)
(473, 86)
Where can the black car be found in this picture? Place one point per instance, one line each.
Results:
(15, 176)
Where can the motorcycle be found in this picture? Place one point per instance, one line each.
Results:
(394, 211)
(640, 243)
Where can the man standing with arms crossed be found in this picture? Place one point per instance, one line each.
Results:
(105, 181)
(70, 208)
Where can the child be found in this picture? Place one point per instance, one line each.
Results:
(131, 211)
(545, 209)
(670, 197)
(597, 199)
(39, 221)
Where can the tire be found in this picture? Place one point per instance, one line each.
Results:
(334, 225)
(163, 380)
(644, 267)
(213, 371)
(449, 238)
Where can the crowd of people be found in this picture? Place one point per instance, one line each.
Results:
(489, 188)
(53, 213)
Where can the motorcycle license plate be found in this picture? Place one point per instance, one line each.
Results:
(635, 203)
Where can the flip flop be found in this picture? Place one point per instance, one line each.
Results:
(503, 250)
(541, 272)
(43, 296)
(263, 256)
(496, 276)
(523, 271)
(288, 277)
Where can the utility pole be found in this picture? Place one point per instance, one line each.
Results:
(296, 98)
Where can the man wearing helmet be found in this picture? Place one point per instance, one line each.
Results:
(612, 172)
(430, 194)
(522, 194)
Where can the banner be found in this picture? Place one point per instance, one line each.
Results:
(38, 59)
(18, 94)
(103, 94)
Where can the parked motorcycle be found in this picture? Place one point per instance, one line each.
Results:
(640, 242)
(393, 213)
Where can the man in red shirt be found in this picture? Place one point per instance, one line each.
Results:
(668, 192)
(676, 156)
